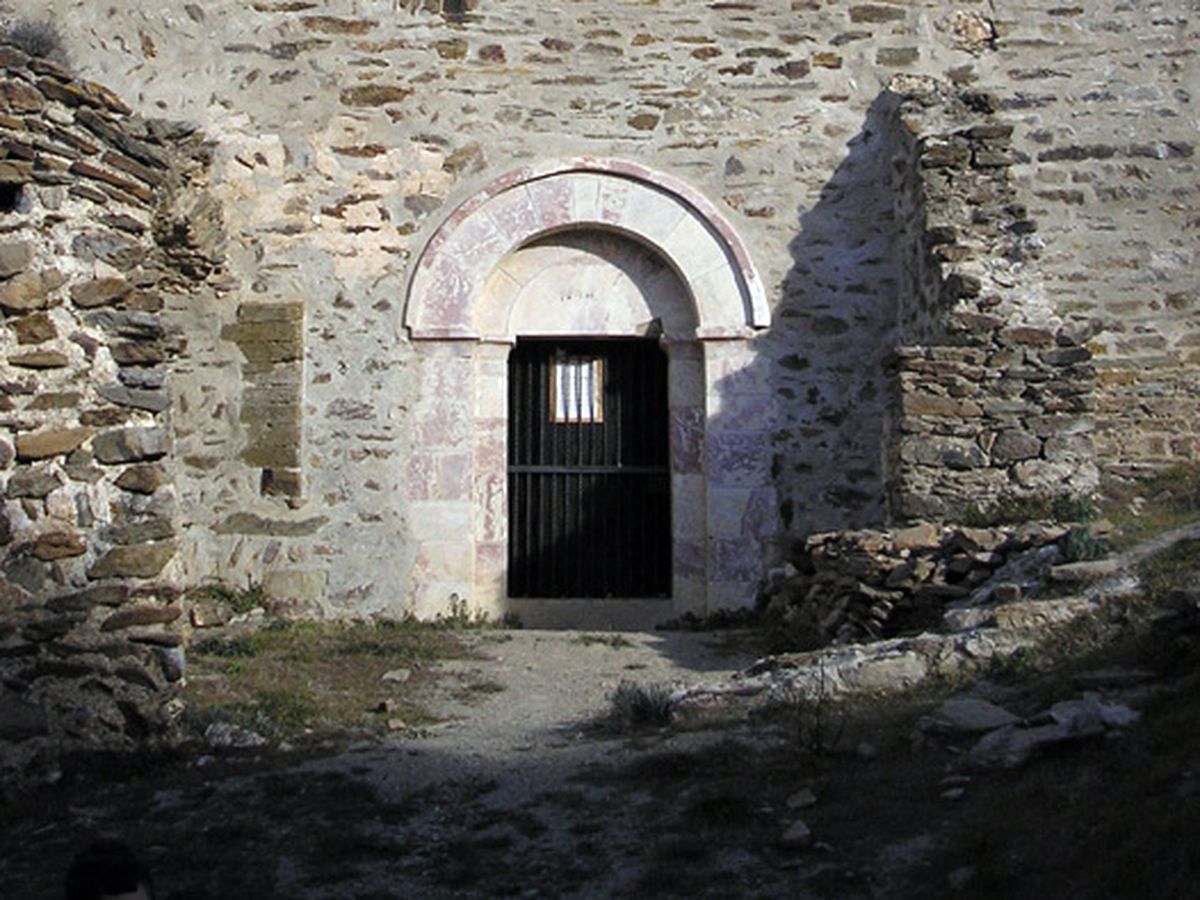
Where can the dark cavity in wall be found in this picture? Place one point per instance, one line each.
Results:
(453, 10)
(10, 197)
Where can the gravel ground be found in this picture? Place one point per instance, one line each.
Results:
(511, 794)
(506, 807)
(519, 792)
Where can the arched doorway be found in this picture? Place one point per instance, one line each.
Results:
(577, 252)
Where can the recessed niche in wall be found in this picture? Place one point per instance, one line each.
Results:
(10, 196)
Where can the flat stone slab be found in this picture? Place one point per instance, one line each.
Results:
(1085, 571)
(967, 715)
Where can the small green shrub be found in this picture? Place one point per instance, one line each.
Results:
(639, 706)
(1081, 543)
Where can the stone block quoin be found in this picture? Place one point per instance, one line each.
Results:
(270, 337)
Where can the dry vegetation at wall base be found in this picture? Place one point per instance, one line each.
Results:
(310, 681)
(292, 680)
(1141, 508)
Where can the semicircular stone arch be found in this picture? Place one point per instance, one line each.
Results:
(589, 249)
(666, 215)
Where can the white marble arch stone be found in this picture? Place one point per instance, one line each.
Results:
(589, 248)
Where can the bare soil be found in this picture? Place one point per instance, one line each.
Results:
(521, 791)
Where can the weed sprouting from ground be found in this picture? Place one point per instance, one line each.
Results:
(1171, 570)
(275, 714)
(40, 39)
(1016, 665)
(635, 706)
(1141, 508)
(818, 721)
(1018, 509)
(1082, 543)
(476, 690)
(615, 641)
(239, 600)
(460, 616)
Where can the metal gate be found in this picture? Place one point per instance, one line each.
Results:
(588, 479)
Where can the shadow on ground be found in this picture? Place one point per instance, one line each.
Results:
(578, 812)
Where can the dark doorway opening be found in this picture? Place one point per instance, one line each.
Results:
(588, 470)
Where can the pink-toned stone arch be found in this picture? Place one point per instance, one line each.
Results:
(446, 298)
(462, 326)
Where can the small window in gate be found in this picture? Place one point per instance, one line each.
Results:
(577, 389)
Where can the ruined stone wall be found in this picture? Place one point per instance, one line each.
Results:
(349, 129)
(90, 243)
(863, 585)
(993, 393)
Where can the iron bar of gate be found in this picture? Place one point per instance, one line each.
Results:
(589, 500)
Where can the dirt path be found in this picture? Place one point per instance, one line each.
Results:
(539, 693)
(509, 765)
(497, 800)
(518, 794)
(493, 801)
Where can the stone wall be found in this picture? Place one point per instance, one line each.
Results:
(993, 391)
(91, 243)
(971, 228)
(348, 131)
(1107, 167)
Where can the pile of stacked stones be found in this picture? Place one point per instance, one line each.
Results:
(90, 242)
(853, 586)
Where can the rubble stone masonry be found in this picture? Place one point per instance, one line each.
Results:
(98, 229)
(963, 235)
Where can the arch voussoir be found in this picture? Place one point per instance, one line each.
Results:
(678, 223)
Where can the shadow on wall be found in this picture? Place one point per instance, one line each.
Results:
(831, 334)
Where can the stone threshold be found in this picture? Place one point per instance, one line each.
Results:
(591, 614)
